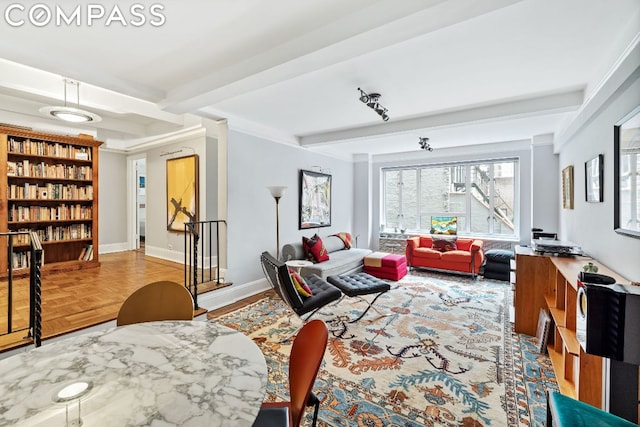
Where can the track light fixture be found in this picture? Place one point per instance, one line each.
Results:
(371, 99)
(424, 143)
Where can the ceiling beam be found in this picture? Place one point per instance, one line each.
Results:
(350, 36)
(569, 100)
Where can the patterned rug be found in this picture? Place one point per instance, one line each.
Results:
(444, 356)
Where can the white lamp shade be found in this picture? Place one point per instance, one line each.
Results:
(277, 191)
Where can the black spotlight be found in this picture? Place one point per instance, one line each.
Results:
(371, 99)
(424, 143)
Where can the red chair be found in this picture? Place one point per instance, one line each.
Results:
(305, 359)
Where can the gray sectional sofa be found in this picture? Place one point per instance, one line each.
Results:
(341, 260)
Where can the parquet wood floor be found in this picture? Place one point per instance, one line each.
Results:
(78, 299)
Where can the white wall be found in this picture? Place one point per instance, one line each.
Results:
(160, 242)
(362, 201)
(254, 164)
(591, 224)
(112, 199)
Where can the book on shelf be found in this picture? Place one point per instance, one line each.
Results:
(82, 155)
(542, 333)
(12, 168)
(87, 253)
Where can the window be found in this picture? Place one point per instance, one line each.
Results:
(480, 194)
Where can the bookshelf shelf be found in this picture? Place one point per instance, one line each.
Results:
(51, 187)
(62, 221)
(13, 154)
(54, 201)
(53, 242)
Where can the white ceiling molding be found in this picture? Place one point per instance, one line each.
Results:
(484, 151)
(628, 66)
(255, 129)
(142, 144)
(538, 140)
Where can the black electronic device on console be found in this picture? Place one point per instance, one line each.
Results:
(599, 279)
(608, 318)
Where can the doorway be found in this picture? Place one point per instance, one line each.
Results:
(140, 203)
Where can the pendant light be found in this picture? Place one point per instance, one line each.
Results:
(71, 114)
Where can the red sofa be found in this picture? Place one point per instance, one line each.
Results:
(466, 258)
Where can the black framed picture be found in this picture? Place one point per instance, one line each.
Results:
(593, 179)
(626, 174)
(315, 199)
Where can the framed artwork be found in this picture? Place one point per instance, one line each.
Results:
(593, 179)
(626, 175)
(444, 225)
(315, 199)
(567, 187)
(182, 192)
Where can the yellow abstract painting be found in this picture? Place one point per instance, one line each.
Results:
(182, 192)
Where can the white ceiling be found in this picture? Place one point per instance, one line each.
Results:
(460, 72)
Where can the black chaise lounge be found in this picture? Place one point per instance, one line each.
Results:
(277, 274)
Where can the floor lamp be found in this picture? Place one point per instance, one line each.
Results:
(277, 192)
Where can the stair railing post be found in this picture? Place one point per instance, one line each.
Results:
(35, 285)
(10, 285)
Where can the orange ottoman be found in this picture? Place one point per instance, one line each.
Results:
(386, 266)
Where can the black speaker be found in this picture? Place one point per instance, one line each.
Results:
(608, 319)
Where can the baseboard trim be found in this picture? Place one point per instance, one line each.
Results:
(162, 253)
(113, 247)
(230, 294)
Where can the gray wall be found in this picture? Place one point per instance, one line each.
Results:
(112, 198)
(545, 189)
(591, 224)
(254, 164)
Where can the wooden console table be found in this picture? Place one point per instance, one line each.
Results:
(550, 282)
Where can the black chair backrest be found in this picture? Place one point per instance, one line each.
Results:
(277, 274)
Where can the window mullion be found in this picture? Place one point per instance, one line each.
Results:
(491, 198)
(418, 223)
(467, 184)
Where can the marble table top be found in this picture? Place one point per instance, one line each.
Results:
(172, 373)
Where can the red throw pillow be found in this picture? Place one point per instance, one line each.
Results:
(346, 238)
(443, 244)
(314, 249)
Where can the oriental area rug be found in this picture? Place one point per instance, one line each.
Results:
(445, 355)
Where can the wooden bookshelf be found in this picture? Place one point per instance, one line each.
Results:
(551, 282)
(51, 188)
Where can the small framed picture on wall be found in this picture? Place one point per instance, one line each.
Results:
(593, 179)
(567, 187)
